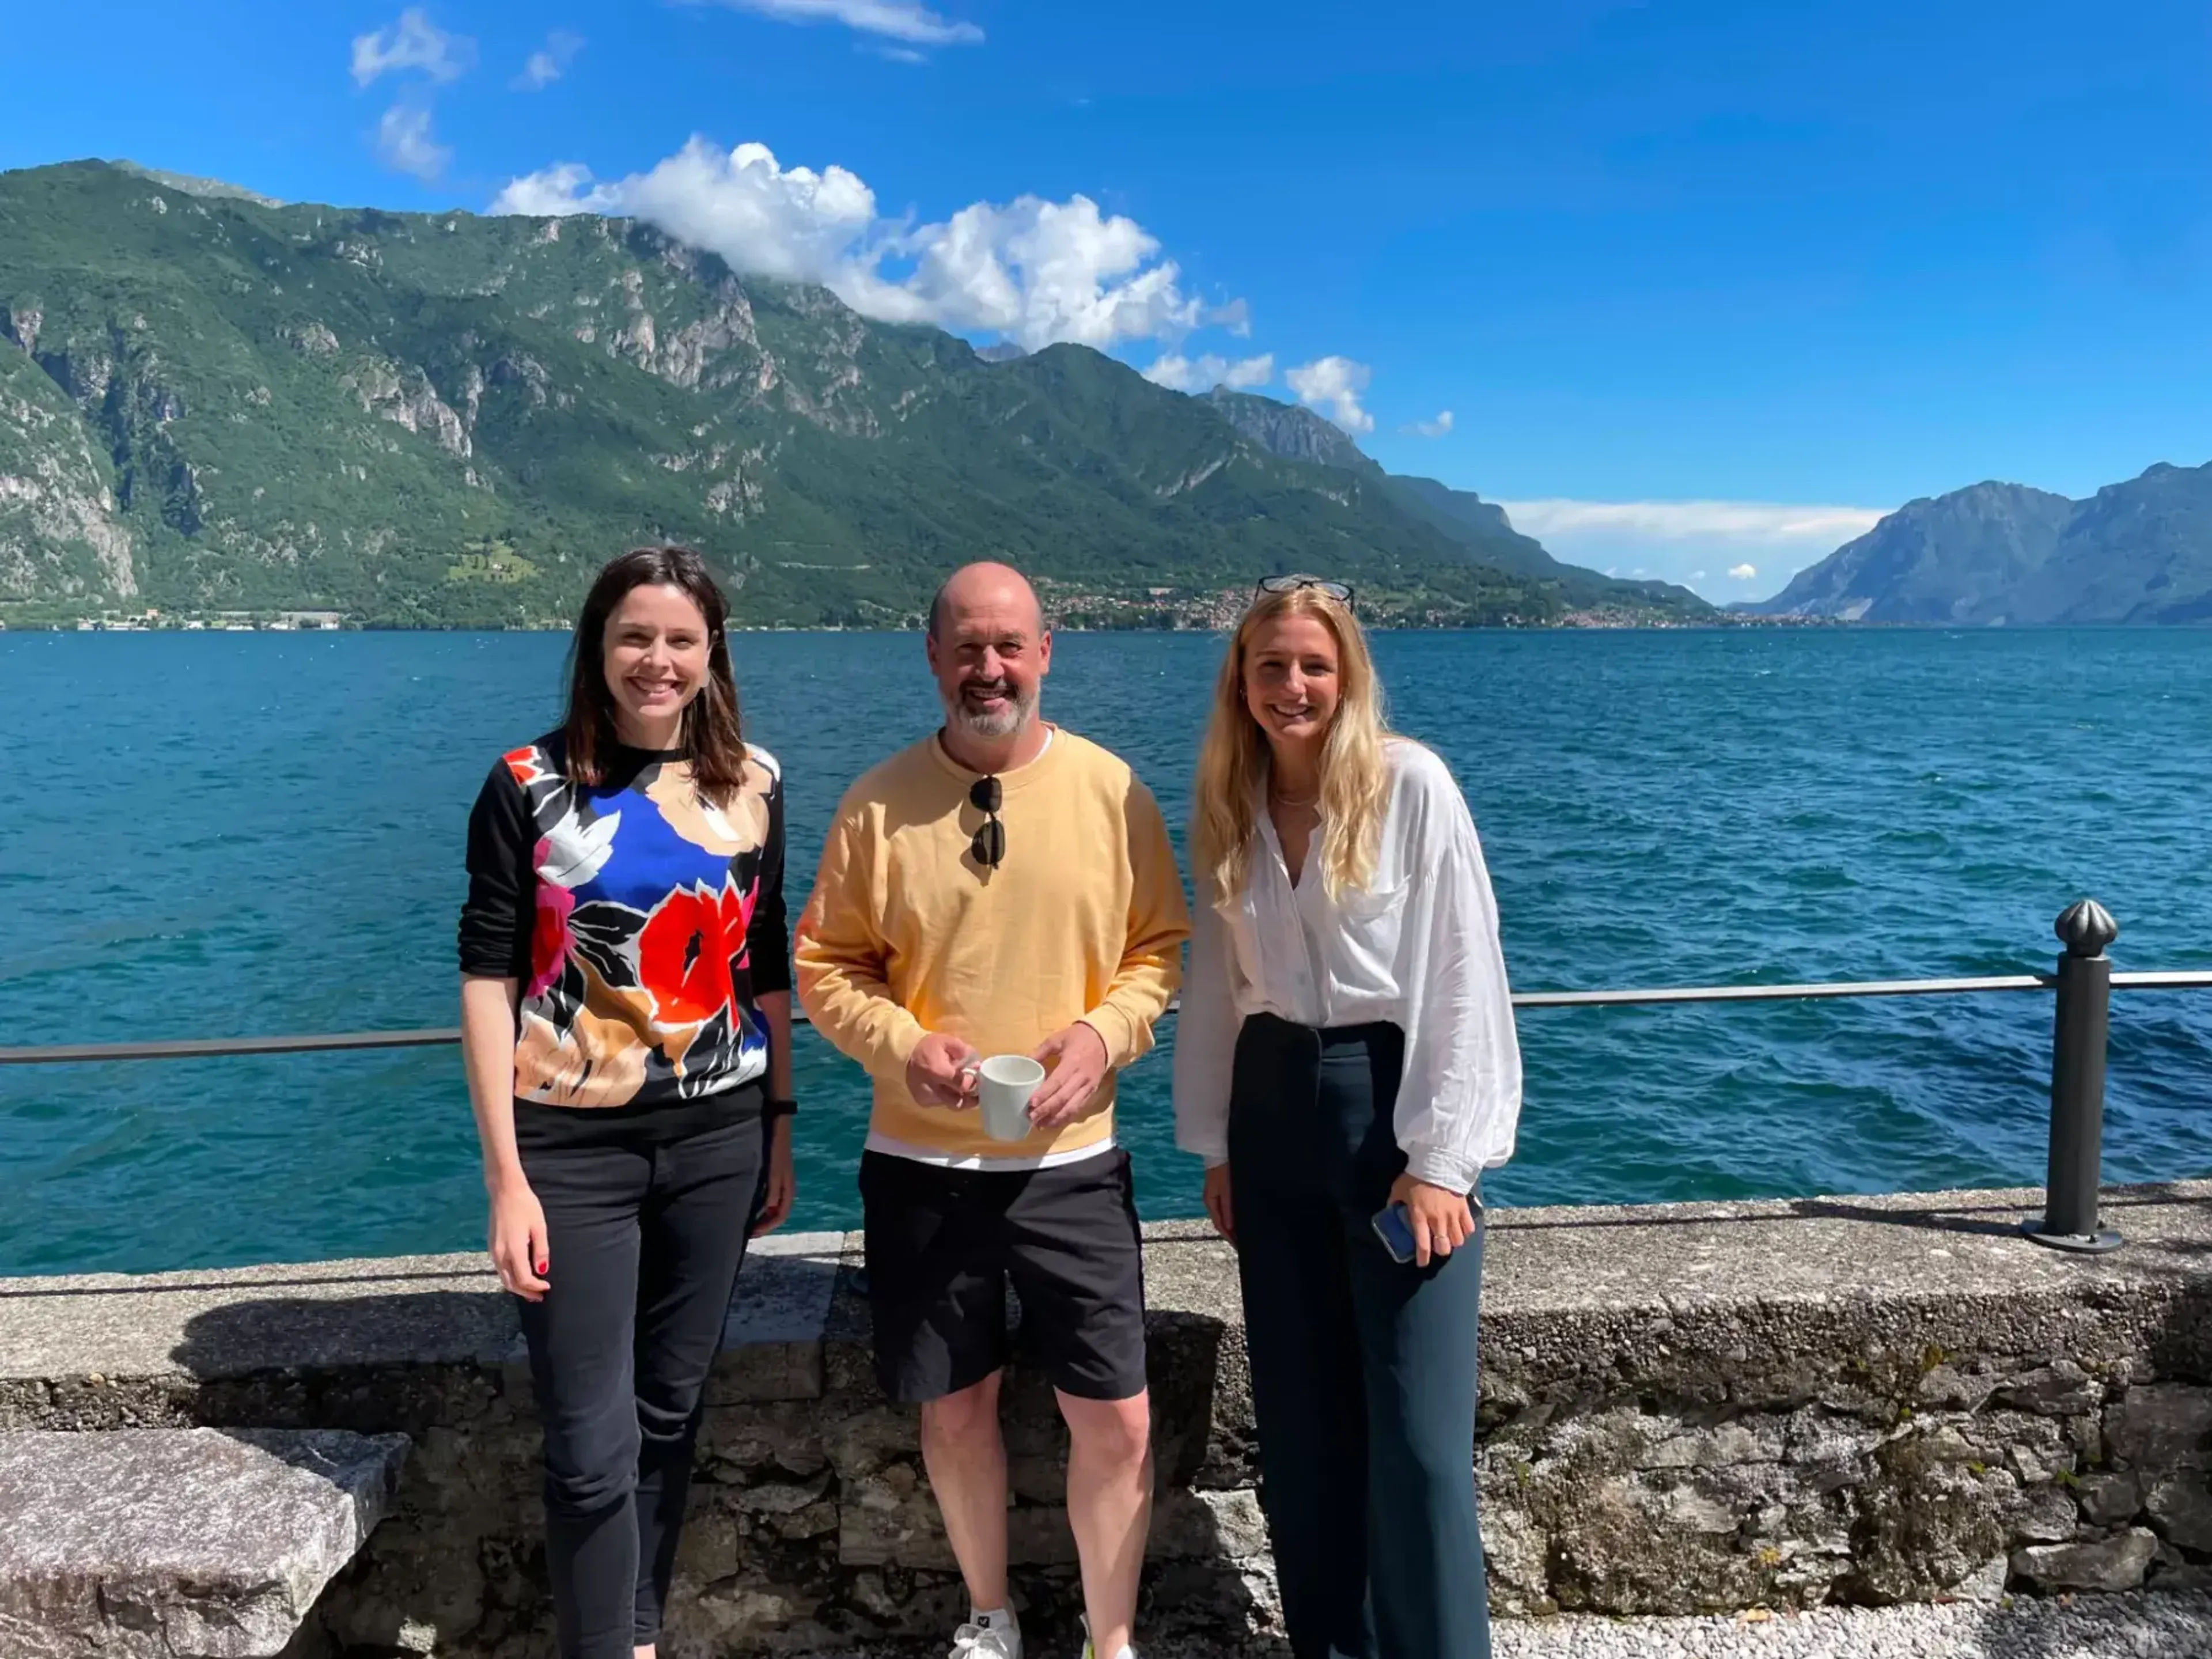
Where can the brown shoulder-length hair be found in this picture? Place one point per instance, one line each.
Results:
(712, 734)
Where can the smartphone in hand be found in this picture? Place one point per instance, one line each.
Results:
(1397, 1234)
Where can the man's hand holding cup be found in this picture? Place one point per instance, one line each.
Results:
(941, 1072)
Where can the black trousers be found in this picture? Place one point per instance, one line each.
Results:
(1363, 1370)
(647, 1215)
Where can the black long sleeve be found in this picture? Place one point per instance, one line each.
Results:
(768, 936)
(501, 909)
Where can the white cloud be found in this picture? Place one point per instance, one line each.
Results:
(898, 54)
(1332, 385)
(550, 61)
(1435, 429)
(899, 19)
(1181, 374)
(412, 43)
(1030, 270)
(404, 142)
(552, 192)
(1727, 551)
(1761, 522)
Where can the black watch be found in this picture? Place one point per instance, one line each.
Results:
(773, 1108)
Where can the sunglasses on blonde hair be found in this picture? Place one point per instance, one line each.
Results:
(1340, 592)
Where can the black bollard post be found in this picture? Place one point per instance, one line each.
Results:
(2079, 1029)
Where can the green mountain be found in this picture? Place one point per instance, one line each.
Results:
(212, 402)
(1481, 527)
(2002, 553)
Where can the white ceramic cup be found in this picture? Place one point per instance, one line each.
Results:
(1003, 1083)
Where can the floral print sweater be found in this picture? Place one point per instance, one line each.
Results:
(638, 922)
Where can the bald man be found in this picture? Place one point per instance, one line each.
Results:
(1003, 888)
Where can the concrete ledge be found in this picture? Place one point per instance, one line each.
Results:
(2138, 1627)
(179, 1543)
(1683, 1408)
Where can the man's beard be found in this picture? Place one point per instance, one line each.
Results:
(1020, 707)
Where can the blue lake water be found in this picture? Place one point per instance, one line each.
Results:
(212, 834)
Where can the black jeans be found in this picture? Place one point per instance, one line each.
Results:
(1363, 1370)
(646, 1215)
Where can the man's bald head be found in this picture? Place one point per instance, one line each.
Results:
(983, 586)
(989, 650)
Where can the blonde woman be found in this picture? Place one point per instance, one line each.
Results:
(1346, 1066)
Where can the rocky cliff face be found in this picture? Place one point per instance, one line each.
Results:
(1287, 430)
(219, 402)
(2134, 552)
(2000, 554)
(1957, 558)
(60, 529)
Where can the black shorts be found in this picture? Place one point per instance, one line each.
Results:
(943, 1244)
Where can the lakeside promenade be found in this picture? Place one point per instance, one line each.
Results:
(1685, 1409)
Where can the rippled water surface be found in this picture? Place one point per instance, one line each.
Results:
(206, 835)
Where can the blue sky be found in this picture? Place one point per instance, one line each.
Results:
(1704, 287)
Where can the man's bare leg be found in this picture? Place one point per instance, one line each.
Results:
(1110, 1508)
(966, 1456)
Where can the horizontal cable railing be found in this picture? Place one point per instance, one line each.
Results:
(432, 1036)
(2083, 982)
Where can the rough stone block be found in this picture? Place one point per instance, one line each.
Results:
(1514, 1548)
(2098, 1563)
(1750, 1440)
(1819, 1438)
(1986, 1583)
(179, 1543)
(1208, 1526)
(2046, 1514)
(1037, 1479)
(1926, 1522)
(756, 1441)
(2181, 1508)
(780, 1496)
(860, 1444)
(2108, 1496)
(888, 1519)
(1947, 1387)
(772, 1345)
(2058, 1390)
(2161, 1426)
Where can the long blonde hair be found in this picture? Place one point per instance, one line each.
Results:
(1234, 761)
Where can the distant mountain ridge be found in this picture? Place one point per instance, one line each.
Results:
(211, 189)
(210, 402)
(1298, 433)
(2003, 554)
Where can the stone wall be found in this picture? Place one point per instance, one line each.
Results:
(1683, 1408)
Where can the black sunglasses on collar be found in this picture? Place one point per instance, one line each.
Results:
(989, 846)
(1340, 592)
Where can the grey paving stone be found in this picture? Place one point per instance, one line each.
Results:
(178, 1543)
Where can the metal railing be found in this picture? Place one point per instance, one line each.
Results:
(2083, 981)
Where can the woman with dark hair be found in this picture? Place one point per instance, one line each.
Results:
(626, 1028)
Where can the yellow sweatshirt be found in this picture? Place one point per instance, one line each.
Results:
(906, 934)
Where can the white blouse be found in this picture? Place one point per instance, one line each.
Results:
(1418, 948)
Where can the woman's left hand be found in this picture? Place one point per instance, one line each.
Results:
(782, 1184)
(1441, 1220)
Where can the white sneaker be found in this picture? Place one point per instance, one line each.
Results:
(976, 1642)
